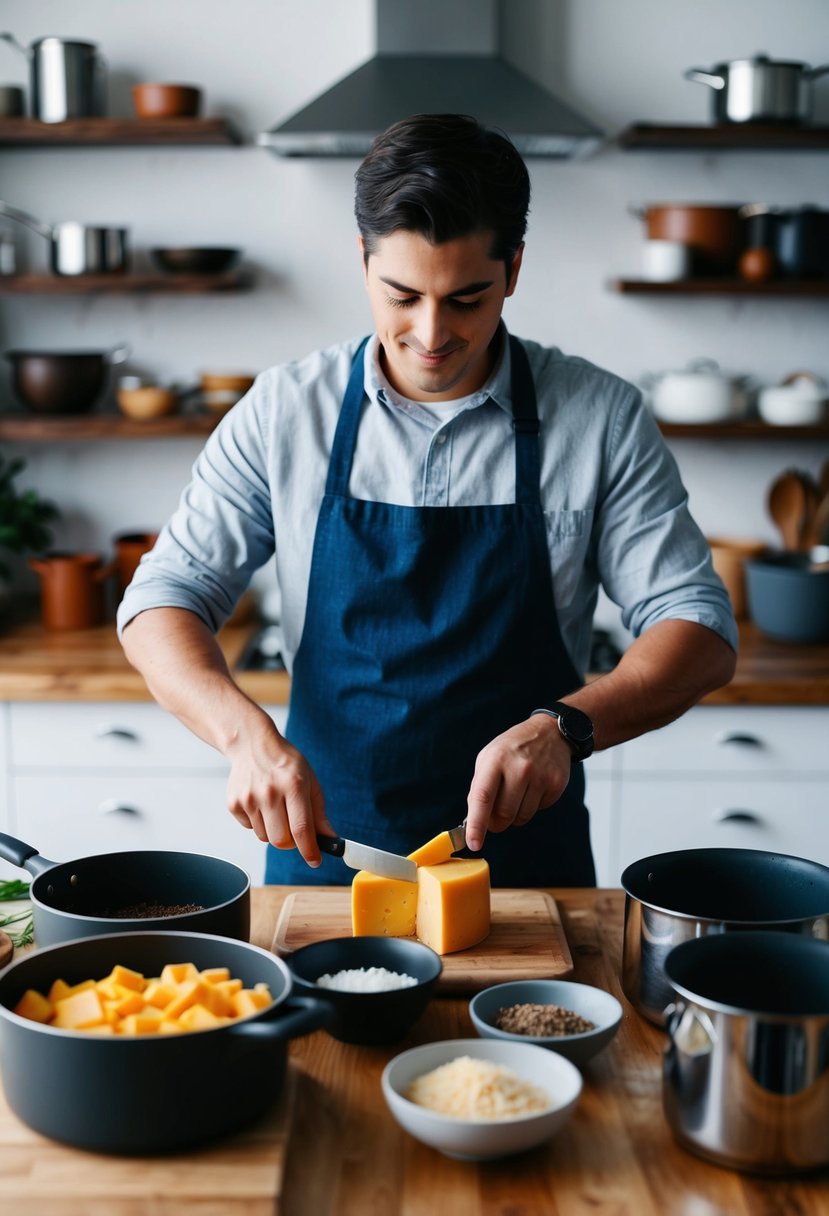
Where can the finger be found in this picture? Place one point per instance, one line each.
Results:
(480, 800)
(301, 817)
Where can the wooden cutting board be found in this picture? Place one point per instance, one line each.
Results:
(526, 941)
(240, 1175)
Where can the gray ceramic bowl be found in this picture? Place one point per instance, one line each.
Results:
(482, 1139)
(592, 1003)
(787, 599)
(368, 1017)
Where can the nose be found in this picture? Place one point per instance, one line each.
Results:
(430, 327)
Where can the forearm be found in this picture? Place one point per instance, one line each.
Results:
(660, 676)
(185, 670)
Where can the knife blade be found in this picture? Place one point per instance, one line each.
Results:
(458, 836)
(364, 857)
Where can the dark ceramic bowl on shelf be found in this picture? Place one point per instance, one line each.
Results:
(204, 259)
(788, 596)
(59, 382)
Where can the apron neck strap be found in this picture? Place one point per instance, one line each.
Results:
(524, 421)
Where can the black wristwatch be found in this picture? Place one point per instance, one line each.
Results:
(575, 726)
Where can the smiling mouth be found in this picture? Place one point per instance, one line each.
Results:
(433, 358)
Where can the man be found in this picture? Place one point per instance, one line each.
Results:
(443, 501)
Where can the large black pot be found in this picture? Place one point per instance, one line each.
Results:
(81, 898)
(674, 897)
(61, 382)
(149, 1093)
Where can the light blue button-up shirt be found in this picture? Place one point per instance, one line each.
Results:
(616, 510)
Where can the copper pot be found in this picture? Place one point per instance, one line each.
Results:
(714, 235)
(130, 547)
(72, 589)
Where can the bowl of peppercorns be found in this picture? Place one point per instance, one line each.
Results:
(575, 1020)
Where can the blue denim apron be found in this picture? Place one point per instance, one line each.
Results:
(429, 631)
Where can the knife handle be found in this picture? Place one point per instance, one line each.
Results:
(333, 845)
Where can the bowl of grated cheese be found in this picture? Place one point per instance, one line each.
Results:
(479, 1099)
(377, 986)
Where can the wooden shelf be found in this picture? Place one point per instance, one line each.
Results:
(110, 132)
(722, 287)
(735, 137)
(41, 428)
(122, 284)
(742, 430)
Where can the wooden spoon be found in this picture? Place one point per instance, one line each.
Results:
(811, 499)
(787, 507)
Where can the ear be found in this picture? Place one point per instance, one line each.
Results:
(516, 266)
(361, 246)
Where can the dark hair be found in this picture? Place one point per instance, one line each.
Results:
(444, 176)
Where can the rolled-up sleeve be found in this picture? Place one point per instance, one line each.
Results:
(653, 560)
(221, 532)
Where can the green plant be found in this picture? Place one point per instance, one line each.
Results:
(24, 515)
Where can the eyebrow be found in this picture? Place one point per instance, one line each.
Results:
(469, 290)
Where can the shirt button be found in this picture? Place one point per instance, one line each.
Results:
(441, 439)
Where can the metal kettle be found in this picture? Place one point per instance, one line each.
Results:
(759, 89)
(66, 78)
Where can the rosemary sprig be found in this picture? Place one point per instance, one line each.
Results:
(11, 889)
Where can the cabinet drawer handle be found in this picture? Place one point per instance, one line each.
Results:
(111, 806)
(737, 814)
(741, 738)
(116, 732)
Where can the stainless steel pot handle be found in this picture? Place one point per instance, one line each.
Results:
(700, 76)
(10, 38)
(23, 217)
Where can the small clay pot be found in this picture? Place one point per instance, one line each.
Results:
(72, 589)
(129, 549)
(153, 100)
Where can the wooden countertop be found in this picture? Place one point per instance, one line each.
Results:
(89, 665)
(344, 1155)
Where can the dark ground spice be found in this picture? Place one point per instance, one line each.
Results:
(541, 1020)
(148, 911)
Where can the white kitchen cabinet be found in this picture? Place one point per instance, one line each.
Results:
(602, 797)
(731, 776)
(101, 777)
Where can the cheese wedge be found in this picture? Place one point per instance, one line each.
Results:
(453, 908)
(434, 851)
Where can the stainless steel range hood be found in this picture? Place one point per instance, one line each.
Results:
(410, 75)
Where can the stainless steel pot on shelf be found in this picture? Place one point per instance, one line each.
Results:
(66, 78)
(759, 89)
(76, 248)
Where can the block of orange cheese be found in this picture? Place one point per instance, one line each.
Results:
(382, 907)
(453, 906)
(434, 851)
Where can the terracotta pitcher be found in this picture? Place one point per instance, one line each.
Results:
(130, 547)
(72, 589)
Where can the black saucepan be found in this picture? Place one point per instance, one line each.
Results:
(675, 897)
(154, 1092)
(90, 896)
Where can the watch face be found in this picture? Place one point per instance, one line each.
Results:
(577, 725)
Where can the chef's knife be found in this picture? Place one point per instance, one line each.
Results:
(363, 857)
(458, 837)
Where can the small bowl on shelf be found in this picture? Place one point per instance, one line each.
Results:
(368, 1017)
(593, 1004)
(195, 259)
(219, 391)
(143, 402)
(477, 1138)
(151, 99)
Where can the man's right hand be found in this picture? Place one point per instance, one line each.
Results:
(273, 790)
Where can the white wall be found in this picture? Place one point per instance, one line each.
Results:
(618, 61)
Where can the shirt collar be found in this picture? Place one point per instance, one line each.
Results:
(497, 388)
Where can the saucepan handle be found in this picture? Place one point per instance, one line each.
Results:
(25, 856)
(296, 1016)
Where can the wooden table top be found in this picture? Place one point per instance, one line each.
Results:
(89, 665)
(348, 1157)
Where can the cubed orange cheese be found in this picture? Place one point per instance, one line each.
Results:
(249, 1001)
(179, 973)
(58, 991)
(80, 1009)
(453, 908)
(148, 1022)
(189, 993)
(131, 1003)
(212, 975)
(382, 907)
(159, 995)
(128, 978)
(34, 1005)
(199, 1018)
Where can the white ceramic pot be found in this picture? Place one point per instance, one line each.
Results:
(800, 400)
(701, 393)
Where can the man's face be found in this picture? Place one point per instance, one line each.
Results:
(436, 309)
